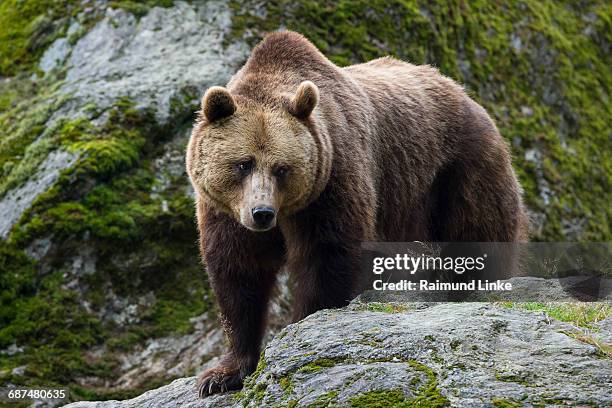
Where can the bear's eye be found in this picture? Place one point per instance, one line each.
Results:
(281, 171)
(244, 167)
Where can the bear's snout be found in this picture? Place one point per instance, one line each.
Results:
(264, 217)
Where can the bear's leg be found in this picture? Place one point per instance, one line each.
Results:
(323, 257)
(325, 279)
(242, 266)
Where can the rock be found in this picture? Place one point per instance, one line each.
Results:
(179, 393)
(16, 201)
(39, 248)
(604, 330)
(516, 42)
(535, 156)
(12, 350)
(19, 371)
(55, 55)
(154, 59)
(437, 354)
(172, 355)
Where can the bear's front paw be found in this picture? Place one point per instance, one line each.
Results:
(225, 376)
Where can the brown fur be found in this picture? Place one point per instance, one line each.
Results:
(384, 150)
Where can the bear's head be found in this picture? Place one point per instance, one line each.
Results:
(257, 162)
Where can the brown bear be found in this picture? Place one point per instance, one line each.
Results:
(297, 161)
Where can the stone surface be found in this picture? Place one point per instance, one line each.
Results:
(16, 201)
(153, 59)
(172, 355)
(55, 55)
(180, 393)
(464, 354)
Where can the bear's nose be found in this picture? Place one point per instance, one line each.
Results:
(263, 216)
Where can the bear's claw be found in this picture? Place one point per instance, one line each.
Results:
(218, 379)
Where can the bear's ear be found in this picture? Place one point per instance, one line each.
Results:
(217, 103)
(305, 100)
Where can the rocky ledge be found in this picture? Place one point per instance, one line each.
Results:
(417, 354)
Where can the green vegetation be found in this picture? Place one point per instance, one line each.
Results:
(380, 398)
(55, 330)
(541, 68)
(324, 400)
(579, 314)
(27, 27)
(317, 365)
(582, 315)
(505, 403)
(104, 201)
(144, 243)
(603, 350)
(24, 142)
(428, 395)
(252, 390)
(383, 307)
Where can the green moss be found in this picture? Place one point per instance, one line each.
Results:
(54, 327)
(505, 403)
(603, 349)
(515, 378)
(427, 395)
(539, 67)
(17, 274)
(103, 210)
(324, 400)
(172, 316)
(104, 201)
(25, 137)
(318, 365)
(379, 399)
(383, 307)
(27, 27)
(253, 391)
(286, 385)
(580, 314)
